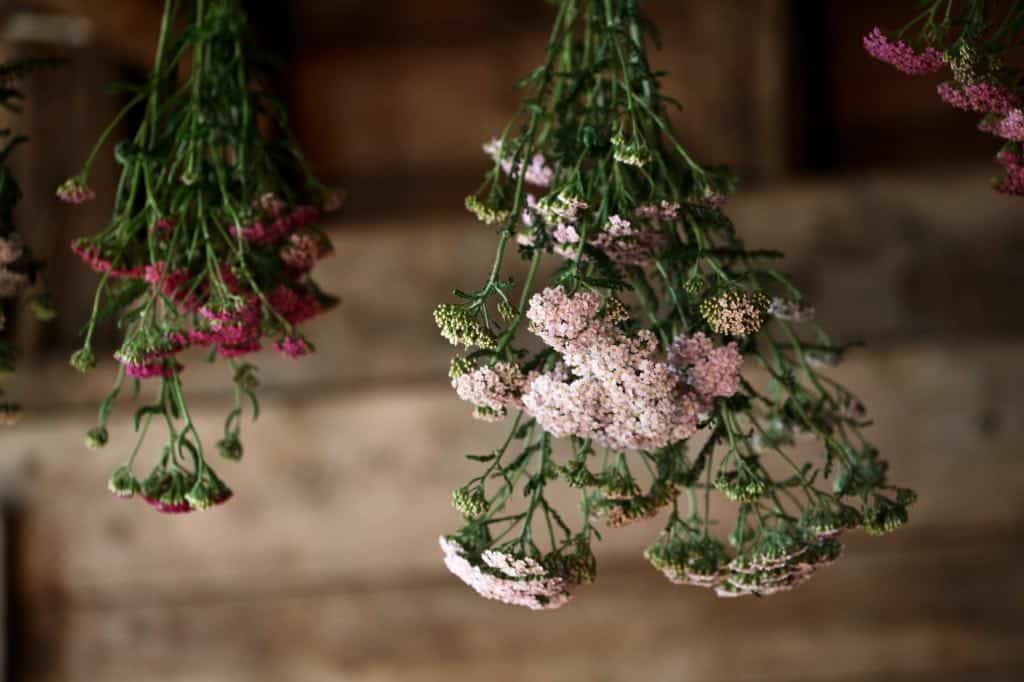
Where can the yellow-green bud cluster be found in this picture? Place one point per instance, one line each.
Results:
(460, 366)
(96, 438)
(484, 213)
(735, 312)
(741, 485)
(83, 360)
(470, 502)
(460, 327)
(630, 153)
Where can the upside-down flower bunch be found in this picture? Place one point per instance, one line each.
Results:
(210, 246)
(19, 271)
(976, 42)
(674, 365)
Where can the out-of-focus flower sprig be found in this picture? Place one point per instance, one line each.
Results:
(646, 326)
(977, 42)
(210, 246)
(19, 270)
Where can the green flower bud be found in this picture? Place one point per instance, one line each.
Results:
(42, 307)
(96, 438)
(83, 360)
(484, 213)
(122, 483)
(460, 366)
(458, 326)
(470, 502)
(741, 485)
(230, 448)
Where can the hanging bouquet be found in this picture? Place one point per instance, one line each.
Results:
(976, 42)
(19, 271)
(210, 246)
(675, 366)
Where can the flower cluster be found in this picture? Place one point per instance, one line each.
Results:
(210, 246)
(647, 325)
(19, 271)
(903, 56)
(976, 42)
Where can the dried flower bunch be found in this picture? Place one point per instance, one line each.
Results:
(640, 397)
(974, 40)
(210, 246)
(19, 271)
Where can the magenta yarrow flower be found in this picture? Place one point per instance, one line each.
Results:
(979, 97)
(902, 56)
(1012, 181)
(293, 347)
(1008, 127)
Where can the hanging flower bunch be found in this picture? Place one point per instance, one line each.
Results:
(210, 246)
(19, 271)
(676, 370)
(974, 40)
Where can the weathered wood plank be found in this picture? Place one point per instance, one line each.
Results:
(392, 106)
(342, 486)
(948, 612)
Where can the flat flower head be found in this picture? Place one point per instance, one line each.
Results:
(902, 56)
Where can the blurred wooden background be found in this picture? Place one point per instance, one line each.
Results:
(325, 566)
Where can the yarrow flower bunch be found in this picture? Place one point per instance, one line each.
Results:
(210, 247)
(19, 271)
(975, 41)
(644, 394)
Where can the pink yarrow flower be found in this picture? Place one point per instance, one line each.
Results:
(979, 97)
(1009, 127)
(1012, 181)
(902, 56)
(293, 347)
(74, 191)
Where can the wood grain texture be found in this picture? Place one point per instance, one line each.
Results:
(948, 613)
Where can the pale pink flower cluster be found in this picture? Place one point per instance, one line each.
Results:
(11, 249)
(618, 393)
(495, 388)
(569, 324)
(519, 581)
(1009, 127)
(902, 56)
(666, 210)
(11, 282)
(538, 172)
(711, 372)
(629, 244)
(621, 397)
(793, 311)
(980, 97)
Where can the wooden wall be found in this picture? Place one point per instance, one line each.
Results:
(325, 566)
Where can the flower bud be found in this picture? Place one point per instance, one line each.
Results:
(96, 438)
(735, 312)
(230, 448)
(83, 360)
(470, 502)
(42, 307)
(122, 483)
(458, 326)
